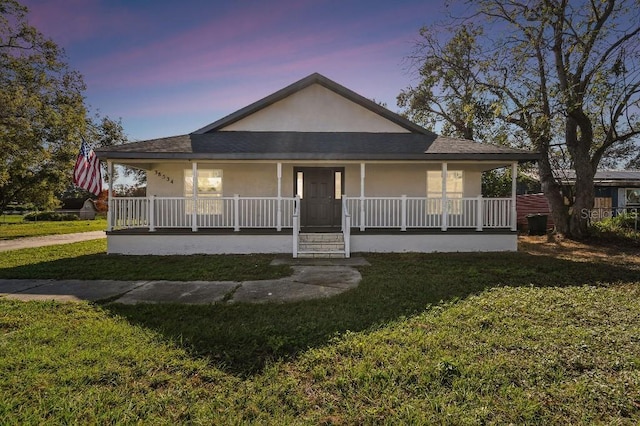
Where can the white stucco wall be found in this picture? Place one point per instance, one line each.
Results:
(299, 113)
(431, 243)
(260, 179)
(159, 244)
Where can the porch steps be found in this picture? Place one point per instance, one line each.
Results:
(321, 245)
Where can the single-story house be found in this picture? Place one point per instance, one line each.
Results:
(313, 169)
(615, 190)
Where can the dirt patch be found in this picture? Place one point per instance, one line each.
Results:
(601, 252)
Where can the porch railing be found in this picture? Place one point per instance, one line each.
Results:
(212, 212)
(420, 212)
(280, 212)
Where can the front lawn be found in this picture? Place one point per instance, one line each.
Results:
(12, 228)
(550, 335)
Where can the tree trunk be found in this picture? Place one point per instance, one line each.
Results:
(553, 191)
(579, 138)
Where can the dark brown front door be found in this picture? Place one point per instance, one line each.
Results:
(320, 205)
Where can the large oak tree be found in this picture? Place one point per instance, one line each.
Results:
(562, 76)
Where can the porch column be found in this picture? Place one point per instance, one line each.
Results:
(279, 211)
(362, 176)
(514, 213)
(445, 207)
(194, 197)
(110, 196)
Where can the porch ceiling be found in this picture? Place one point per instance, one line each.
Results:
(314, 146)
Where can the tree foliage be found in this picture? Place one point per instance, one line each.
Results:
(41, 111)
(42, 114)
(562, 77)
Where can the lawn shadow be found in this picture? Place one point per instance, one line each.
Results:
(242, 338)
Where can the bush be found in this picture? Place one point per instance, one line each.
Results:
(621, 222)
(50, 216)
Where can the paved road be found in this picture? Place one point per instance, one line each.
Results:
(49, 240)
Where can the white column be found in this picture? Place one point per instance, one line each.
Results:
(514, 179)
(279, 211)
(110, 211)
(445, 207)
(362, 176)
(479, 213)
(194, 197)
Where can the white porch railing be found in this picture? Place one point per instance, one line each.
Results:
(420, 212)
(283, 212)
(211, 212)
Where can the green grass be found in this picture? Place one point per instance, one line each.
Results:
(11, 227)
(88, 260)
(544, 336)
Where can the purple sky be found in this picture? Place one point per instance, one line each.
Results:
(170, 67)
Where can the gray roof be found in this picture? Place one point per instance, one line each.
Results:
(603, 177)
(314, 78)
(213, 143)
(244, 145)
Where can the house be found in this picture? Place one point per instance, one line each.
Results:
(615, 190)
(313, 169)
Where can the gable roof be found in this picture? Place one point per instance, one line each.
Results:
(299, 85)
(210, 142)
(241, 145)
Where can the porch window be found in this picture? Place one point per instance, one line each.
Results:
(455, 190)
(209, 187)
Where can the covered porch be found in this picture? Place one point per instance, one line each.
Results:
(281, 222)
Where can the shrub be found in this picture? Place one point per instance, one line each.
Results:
(50, 216)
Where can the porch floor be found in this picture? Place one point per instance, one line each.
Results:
(271, 231)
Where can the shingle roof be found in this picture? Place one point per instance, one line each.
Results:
(602, 176)
(243, 145)
(212, 143)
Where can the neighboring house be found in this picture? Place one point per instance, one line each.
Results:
(313, 170)
(615, 190)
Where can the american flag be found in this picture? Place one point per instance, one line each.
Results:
(86, 173)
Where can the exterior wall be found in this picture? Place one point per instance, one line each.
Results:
(298, 113)
(249, 180)
(260, 179)
(431, 243)
(160, 244)
(167, 244)
(411, 179)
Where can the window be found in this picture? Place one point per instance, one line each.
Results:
(338, 185)
(209, 185)
(455, 189)
(299, 184)
(632, 196)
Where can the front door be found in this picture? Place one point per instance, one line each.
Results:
(321, 196)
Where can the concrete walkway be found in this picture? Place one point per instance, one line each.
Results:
(311, 279)
(306, 282)
(49, 240)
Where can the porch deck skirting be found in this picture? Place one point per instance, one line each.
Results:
(243, 225)
(178, 241)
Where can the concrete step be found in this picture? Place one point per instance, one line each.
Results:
(321, 245)
(321, 255)
(329, 237)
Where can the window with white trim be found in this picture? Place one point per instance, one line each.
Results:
(454, 186)
(209, 185)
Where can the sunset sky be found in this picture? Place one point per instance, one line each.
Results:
(171, 67)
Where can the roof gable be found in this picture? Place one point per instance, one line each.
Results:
(315, 103)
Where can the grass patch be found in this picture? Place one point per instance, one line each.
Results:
(550, 335)
(88, 260)
(12, 228)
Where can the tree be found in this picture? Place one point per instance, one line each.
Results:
(42, 112)
(565, 77)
